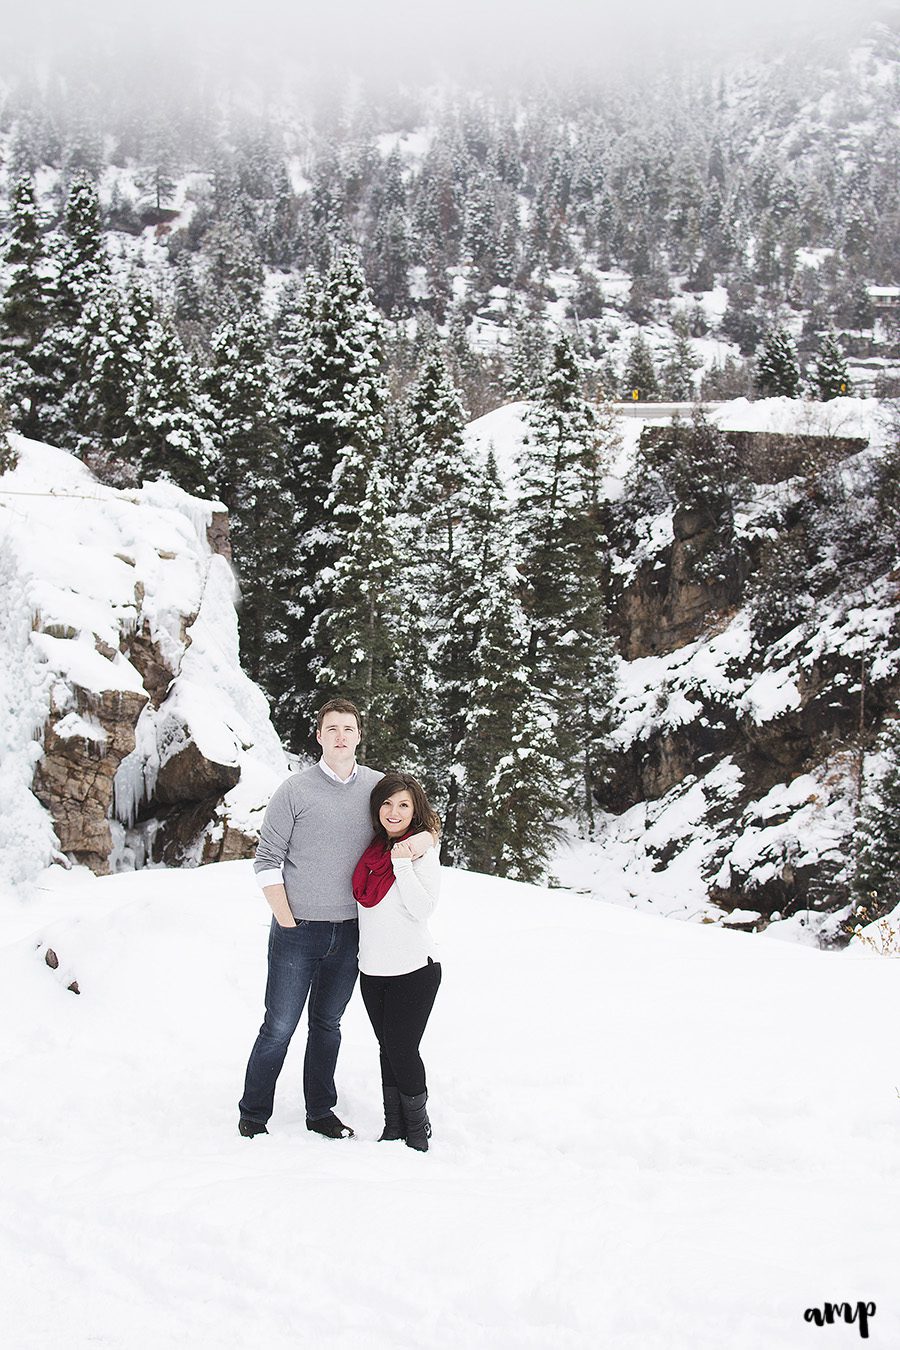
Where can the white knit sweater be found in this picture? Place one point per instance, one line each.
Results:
(393, 935)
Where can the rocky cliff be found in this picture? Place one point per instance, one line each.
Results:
(753, 593)
(119, 607)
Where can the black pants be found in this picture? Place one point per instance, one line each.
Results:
(399, 1007)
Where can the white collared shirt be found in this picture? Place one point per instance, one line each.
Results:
(327, 769)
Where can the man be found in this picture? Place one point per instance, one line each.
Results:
(315, 828)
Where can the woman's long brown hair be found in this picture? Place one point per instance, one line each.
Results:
(424, 815)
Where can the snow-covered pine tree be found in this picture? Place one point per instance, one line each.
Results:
(440, 480)
(241, 386)
(8, 457)
(82, 275)
(699, 466)
(741, 322)
(335, 397)
(463, 363)
(680, 364)
(529, 349)
(388, 263)
(562, 545)
(440, 471)
(171, 419)
(830, 378)
(876, 873)
(26, 300)
(509, 780)
(388, 257)
(26, 307)
(187, 298)
(778, 366)
(640, 371)
(279, 238)
(370, 632)
(105, 347)
(83, 267)
(480, 231)
(234, 276)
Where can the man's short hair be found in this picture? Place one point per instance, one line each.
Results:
(338, 705)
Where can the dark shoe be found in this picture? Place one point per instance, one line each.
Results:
(330, 1126)
(415, 1117)
(248, 1128)
(393, 1115)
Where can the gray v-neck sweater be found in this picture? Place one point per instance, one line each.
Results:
(313, 833)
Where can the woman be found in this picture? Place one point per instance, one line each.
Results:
(399, 975)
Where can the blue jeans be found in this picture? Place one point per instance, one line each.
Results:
(316, 960)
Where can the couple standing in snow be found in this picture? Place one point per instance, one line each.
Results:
(348, 862)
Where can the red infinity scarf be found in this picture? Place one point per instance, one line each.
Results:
(373, 875)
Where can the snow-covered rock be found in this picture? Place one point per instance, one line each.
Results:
(733, 788)
(123, 707)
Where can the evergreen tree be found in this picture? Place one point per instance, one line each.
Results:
(158, 184)
(741, 322)
(876, 876)
(530, 349)
(234, 278)
(509, 780)
(437, 503)
(640, 372)
(325, 224)
(26, 301)
(830, 378)
(26, 308)
(334, 416)
(699, 467)
(8, 456)
(440, 471)
(437, 280)
(105, 354)
(187, 297)
(83, 150)
(587, 302)
(562, 545)
(480, 231)
(65, 354)
(388, 263)
(83, 268)
(462, 361)
(370, 633)
(680, 364)
(171, 419)
(777, 366)
(280, 241)
(250, 476)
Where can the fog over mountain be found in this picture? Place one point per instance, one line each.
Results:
(416, 41)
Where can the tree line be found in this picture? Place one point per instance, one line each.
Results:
(681, 184)
(377, 555)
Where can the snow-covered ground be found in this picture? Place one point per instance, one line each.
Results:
(648, 1135)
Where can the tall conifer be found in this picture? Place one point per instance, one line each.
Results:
(777, 366)
(505, 760)
(372, 635)
(241, 386)
(334, 421)
(562, 544)
(26, 309)
(170, 416)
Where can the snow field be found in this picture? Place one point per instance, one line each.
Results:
(647, 1134)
